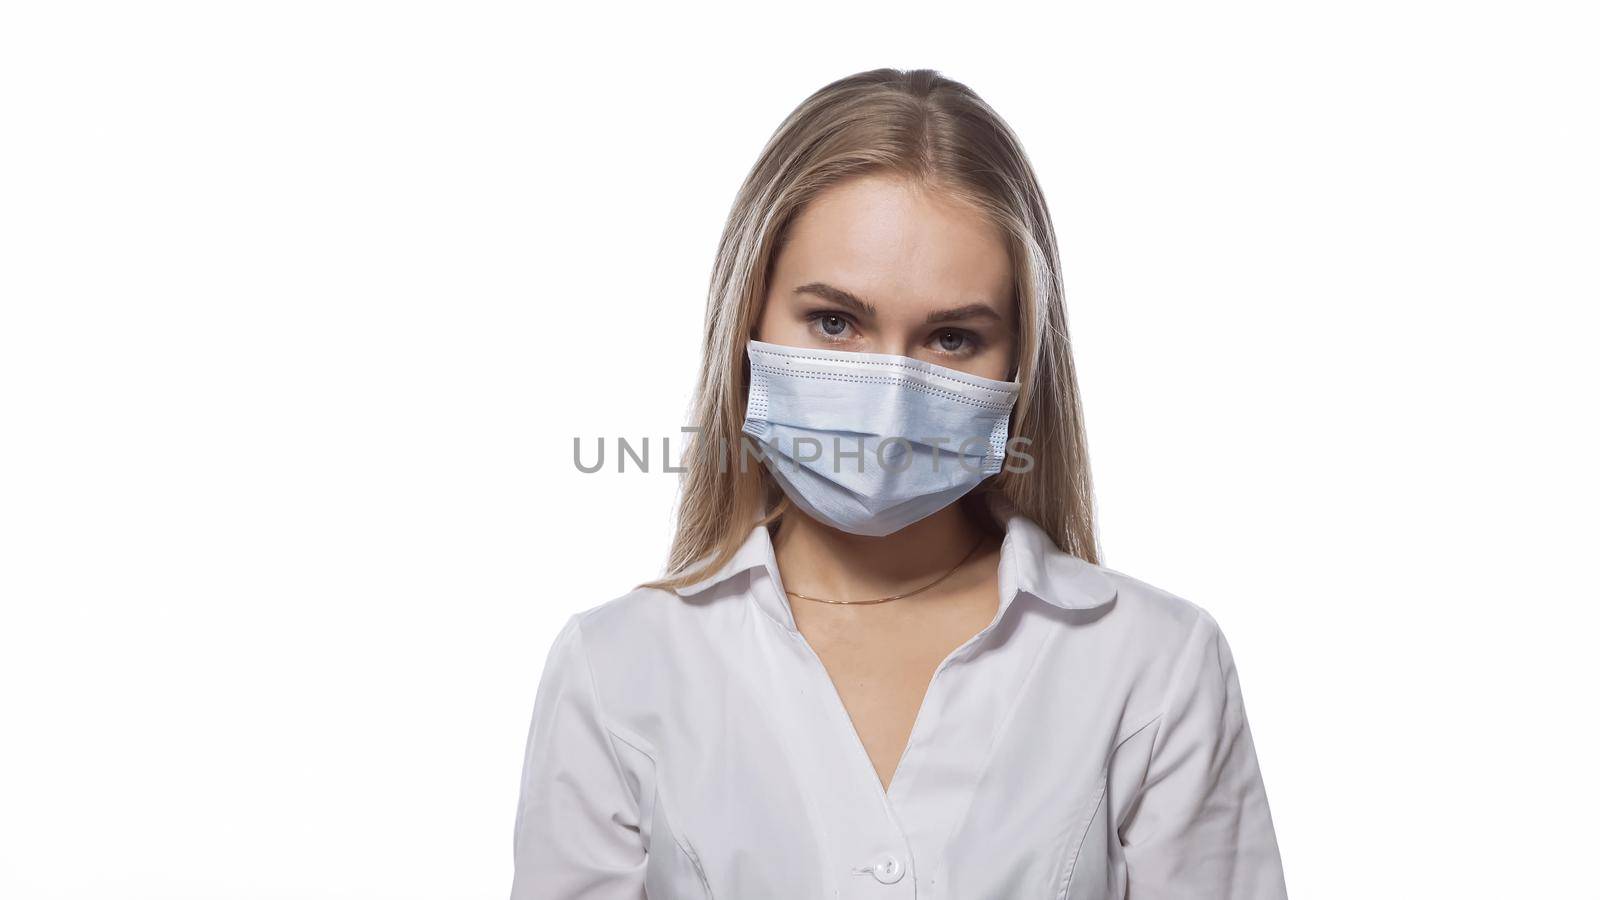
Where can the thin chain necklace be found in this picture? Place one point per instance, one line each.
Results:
(981, 540)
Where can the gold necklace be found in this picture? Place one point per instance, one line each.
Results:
(981, 540)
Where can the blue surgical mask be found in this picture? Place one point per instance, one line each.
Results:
(870, 442)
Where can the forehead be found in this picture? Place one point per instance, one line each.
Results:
(898, 245)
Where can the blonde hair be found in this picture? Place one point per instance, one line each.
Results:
(938, 133)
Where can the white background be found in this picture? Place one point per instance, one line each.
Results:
(304, 304)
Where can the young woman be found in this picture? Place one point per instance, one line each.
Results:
(884, 662)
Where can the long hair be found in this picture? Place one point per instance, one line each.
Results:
(937, 132)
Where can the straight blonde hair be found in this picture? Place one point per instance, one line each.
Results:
(938, 133)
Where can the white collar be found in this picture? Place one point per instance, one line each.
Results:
(1030, 563)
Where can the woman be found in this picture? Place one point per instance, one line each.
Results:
(884, 662)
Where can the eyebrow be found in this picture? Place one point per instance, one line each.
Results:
(867, 310)
(970, 311)
(839, 296)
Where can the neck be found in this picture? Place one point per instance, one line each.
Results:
(820, 560)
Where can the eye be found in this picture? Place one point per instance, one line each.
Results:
(955, 340)
(830, 326)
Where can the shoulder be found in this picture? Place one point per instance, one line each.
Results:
(1154, 610)
(626, 607)
(1153, 637)
(630, 616)
(646, 629)
(647, 650)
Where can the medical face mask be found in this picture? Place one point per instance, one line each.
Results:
(870, 442)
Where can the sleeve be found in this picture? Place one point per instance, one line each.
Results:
(577, 825)
(1200, 827)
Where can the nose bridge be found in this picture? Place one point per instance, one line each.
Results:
(900, 329)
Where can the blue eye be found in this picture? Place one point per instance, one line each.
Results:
(951, 341)
(830, 326)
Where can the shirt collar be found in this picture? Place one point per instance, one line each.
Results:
(1030, 563)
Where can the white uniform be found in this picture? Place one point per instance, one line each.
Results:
(1089, 743)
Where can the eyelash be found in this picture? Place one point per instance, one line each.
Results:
(972, 345)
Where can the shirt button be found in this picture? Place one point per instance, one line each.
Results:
(888, 870)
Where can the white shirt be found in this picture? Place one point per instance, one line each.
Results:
(1089, 743)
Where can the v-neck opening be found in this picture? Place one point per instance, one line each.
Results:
(886, 792)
